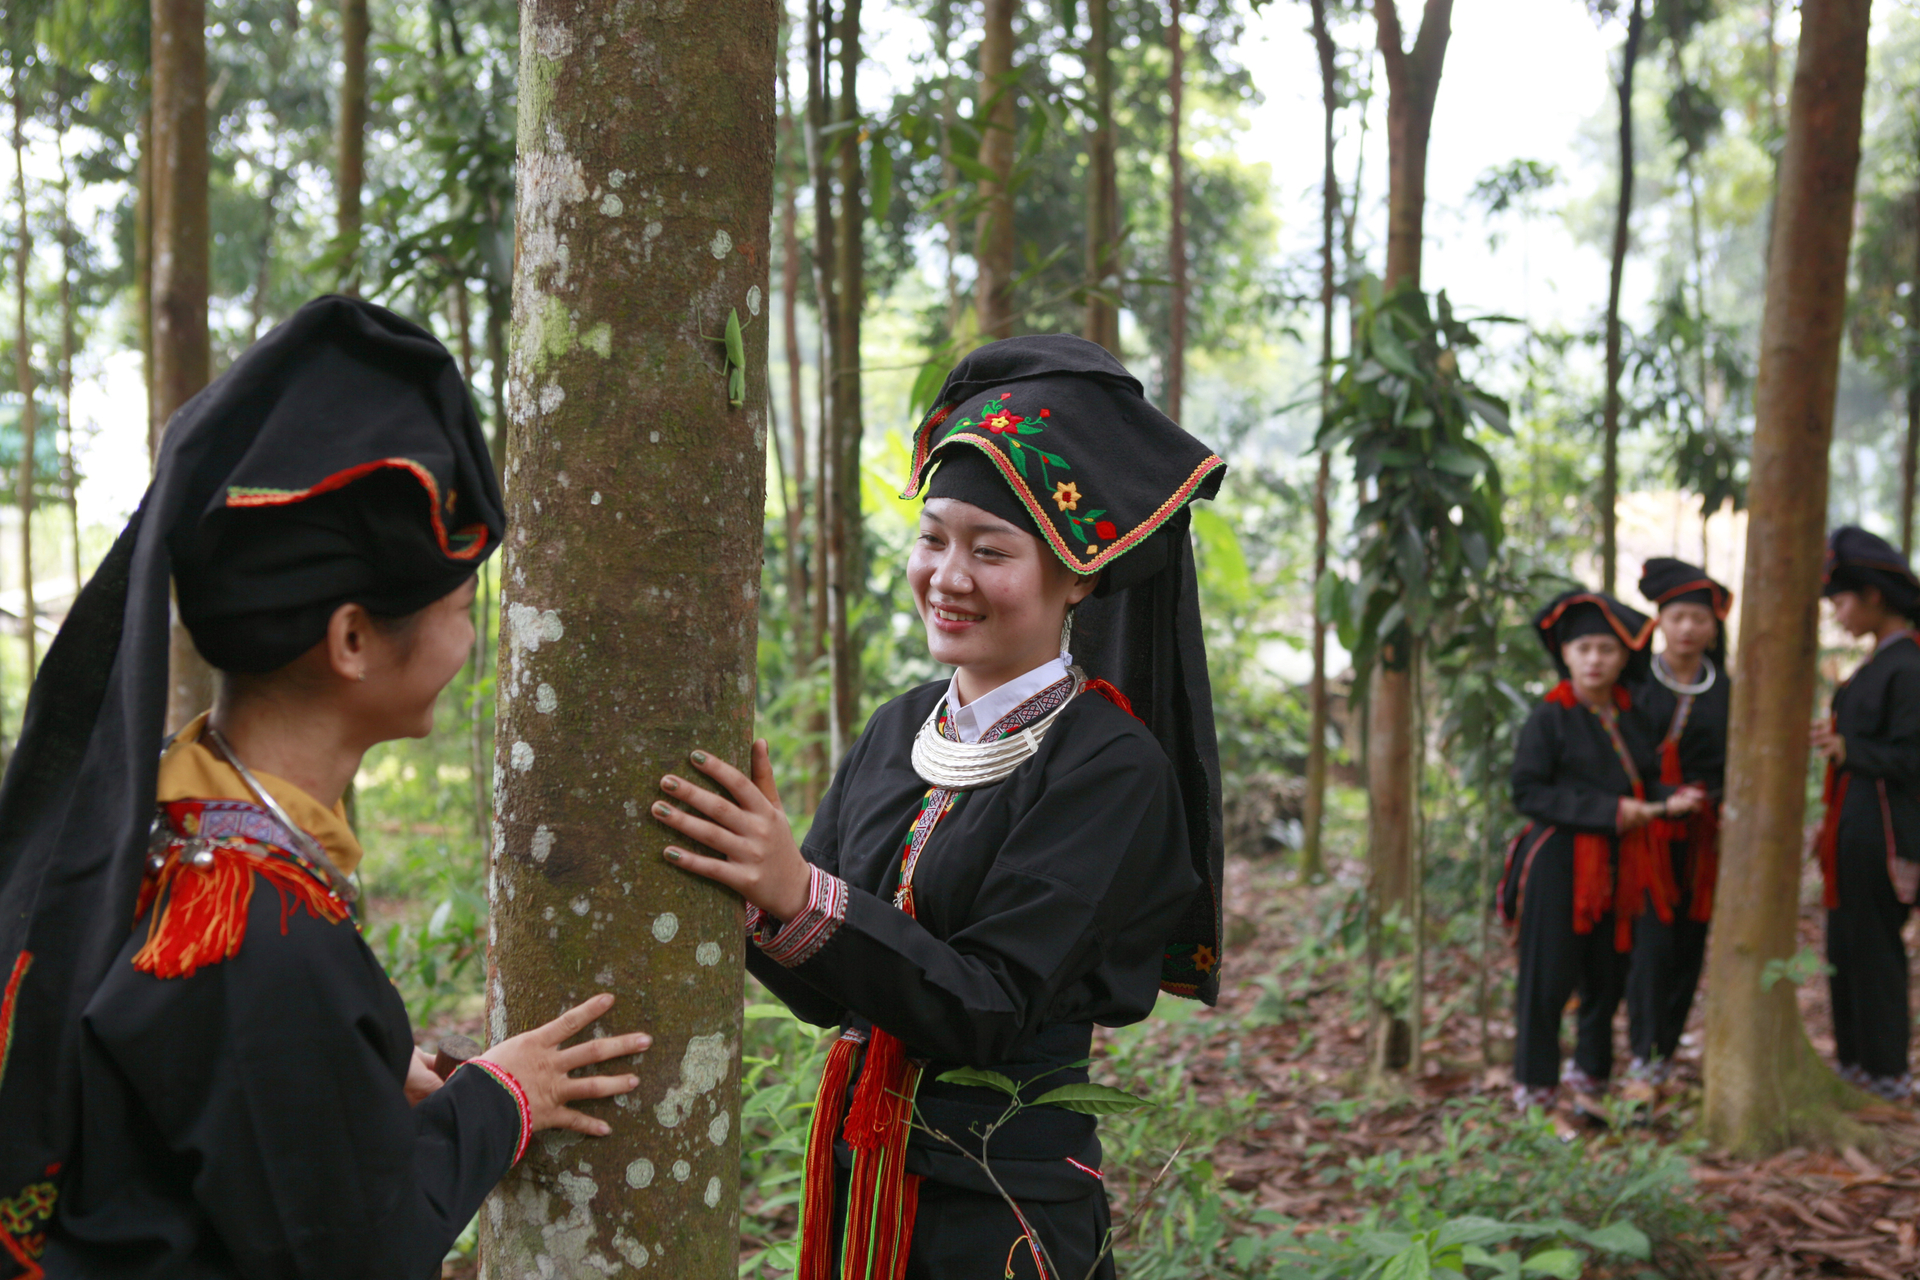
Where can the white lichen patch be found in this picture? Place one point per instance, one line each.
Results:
(580, 906)
(640, 1174)
(633, 808)
(632, 1250)
(542, 843)
(712, 1196)
(665, 925)
(528, 628)
(753, 300)
(522, 756)
(612, 206)
(545, 700)
(576, 1189)
(702, 1068)
(497, 1015)
(682, 1171)
(604, 978)
(707, 953)
(718, 1127)
(595, 499)
(721, 245)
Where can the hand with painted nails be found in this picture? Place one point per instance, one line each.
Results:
(538, 1061)
(761, 861)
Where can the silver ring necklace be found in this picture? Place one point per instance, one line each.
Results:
(962, 766)
(1664, 674)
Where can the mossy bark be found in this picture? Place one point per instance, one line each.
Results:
(635, 495)
(1765, 1089)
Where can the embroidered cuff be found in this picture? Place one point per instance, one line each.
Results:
(796, 941)
(505, 1080)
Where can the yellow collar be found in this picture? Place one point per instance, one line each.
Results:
(189, 771)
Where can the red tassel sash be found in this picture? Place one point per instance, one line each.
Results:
(829, 1105)
(1834, 793)
(199, 914)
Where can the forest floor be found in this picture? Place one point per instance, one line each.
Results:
(1324, 1142)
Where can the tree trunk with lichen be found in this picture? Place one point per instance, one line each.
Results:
(635, 495)
(1765, 1088)
(180, 265)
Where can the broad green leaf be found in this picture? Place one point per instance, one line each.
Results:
(1388, 349)
(1563, 1263)
(1411, 1263)
(1091, 1100)
(736, 348)
(1620, 1238)
(1473, 1230)
(980, 1078)
(882, 179)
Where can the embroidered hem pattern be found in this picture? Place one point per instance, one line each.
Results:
(799, 939)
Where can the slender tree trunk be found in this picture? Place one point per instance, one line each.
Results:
(1176, 375)
(180, 268)
(1910, 457)
(993, 240)
(499, 305)
(1610, 404)
(846, 564)
(1413, 80)
(799, 607)
(70, 481)
(263, 272)
(823, 722)
(23, 365)
(143, 269)
(351, 144)
(1103, 191)
(949, 172)
(1765, 1089)
(636, 500)
(1312, 859)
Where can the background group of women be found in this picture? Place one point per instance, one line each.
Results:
(1619, 772)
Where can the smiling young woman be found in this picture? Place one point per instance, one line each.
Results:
(1584, 775)
(1869, 842)
(203, 1069)
(1006, 857)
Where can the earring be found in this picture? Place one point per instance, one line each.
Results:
(363, 677)
(1066, 633)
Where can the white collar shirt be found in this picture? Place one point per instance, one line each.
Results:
(987, 710)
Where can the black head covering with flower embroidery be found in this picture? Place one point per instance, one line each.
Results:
(1098, 469)
(1105, 480)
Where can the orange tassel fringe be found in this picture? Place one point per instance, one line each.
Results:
(199, 914)
(829, 1104)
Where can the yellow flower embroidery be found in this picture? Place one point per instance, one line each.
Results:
(1203, 959)
(1067, 496)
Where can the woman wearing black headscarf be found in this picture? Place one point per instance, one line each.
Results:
(1869, 843)
(1584, 773)
(1685, 701)
(1006, 858)
(203, 1070)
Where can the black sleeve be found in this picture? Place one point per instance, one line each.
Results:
(1892, 752)
(276, 1070)
(1546, 791)
(1093, 875)
(1703, 745)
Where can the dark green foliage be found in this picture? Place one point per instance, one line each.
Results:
(1430, 515)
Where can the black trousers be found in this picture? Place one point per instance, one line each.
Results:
(1664, 975)
(1871, 1023)
(964, 1235)
(1556, 962)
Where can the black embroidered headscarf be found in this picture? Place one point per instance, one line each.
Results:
(1856, 559)
(1665, 581)
(1053, 430)
(1573, 614)
(338, 459)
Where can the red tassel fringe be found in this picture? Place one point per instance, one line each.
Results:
(1835, 795)
(1113, 695)
(816, 1226)
(1592, 880)
(199, 914)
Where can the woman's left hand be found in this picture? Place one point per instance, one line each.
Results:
(421, 1078)
(762, 863)
(1827, 742)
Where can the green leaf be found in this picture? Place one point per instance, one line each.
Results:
(1563, 1263)
(973, 168)
(1619, 1238)
(980, 1078)
(1475, 1231)
(770, 1011)
(1410, 1263)
(736, 348)
(1091, 1100)
(1388, 349)
(1025, 430)
(926, 385)
(882, 180)
(1457, 461)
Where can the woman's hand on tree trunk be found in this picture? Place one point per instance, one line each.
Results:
(761, 861)
(536, 1059)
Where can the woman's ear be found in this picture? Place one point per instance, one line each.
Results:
(1083, 585)
(349, 639)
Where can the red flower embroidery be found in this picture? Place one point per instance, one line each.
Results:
(1105, 530)
(1002, 422)
(1046, 413)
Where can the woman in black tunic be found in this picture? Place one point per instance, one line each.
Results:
(1684, 701)
(1584, 774)
(206, 1072)
(1869, 844)
(972, 893)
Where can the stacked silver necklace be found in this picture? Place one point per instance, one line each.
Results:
(1664, 674)
(962, 766)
